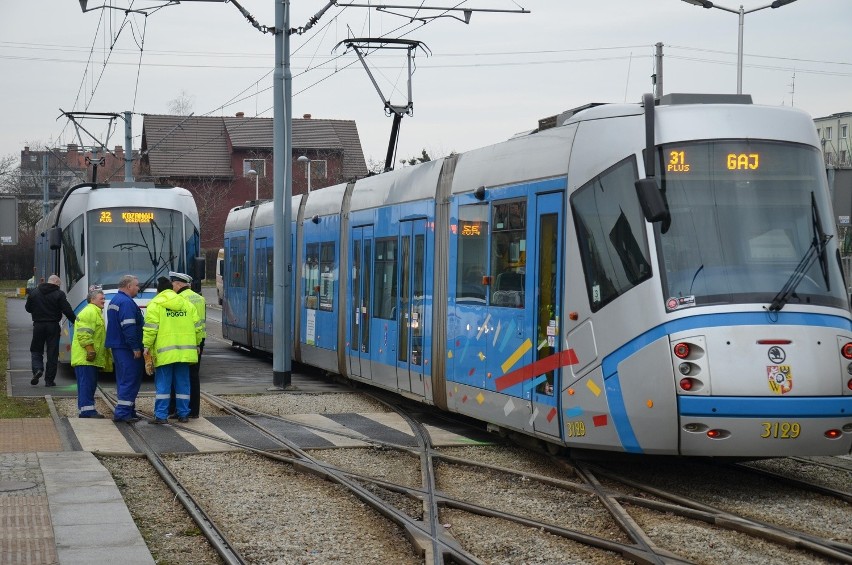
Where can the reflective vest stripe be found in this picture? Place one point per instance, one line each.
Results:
(173, 347)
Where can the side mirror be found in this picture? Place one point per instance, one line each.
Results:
(199, 268)
(652, 200)
(54, 237)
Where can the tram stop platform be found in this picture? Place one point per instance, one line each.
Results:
(60, 506)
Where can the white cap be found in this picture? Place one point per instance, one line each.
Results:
(180, 277)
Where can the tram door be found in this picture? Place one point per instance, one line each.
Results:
(260, 326)
(359, 319)
(548, 306)
(412, 296)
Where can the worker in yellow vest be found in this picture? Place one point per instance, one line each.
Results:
(88, 352)
(181, 285)
(172, 335)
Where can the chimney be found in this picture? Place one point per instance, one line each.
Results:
(72, 148)
(119, 151)
(240, 114)
(307, 116)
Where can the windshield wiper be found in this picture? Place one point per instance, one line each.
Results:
(816, 250)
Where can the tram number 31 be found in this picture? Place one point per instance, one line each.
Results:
(575, 429)
(781, 430)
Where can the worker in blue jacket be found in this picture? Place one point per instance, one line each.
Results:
(124, 337)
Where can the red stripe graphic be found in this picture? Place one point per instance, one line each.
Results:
(549, 363)
(551, 414)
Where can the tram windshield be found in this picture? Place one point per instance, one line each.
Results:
(146, 242)
(748, 224)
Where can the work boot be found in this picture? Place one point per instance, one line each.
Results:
(36, 376)
(49, 383)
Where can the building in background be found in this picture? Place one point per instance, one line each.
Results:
(212, 155)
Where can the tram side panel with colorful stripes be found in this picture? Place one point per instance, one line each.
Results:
(527, 285)
(98, 233)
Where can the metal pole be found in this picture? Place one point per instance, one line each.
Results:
(740, 54)
(45, 186)
(282, 191)
(658, 83)
(309, 173)
(256, 191)
(128, 147)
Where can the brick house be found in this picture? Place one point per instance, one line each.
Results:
(211, 157)
(68, 166)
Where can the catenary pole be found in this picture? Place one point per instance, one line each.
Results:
(282, 191)
(128, 147)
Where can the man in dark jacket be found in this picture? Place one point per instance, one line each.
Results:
(47, 304)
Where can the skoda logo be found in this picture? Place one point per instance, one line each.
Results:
(776, 354)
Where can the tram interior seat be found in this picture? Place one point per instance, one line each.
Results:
(509, 290)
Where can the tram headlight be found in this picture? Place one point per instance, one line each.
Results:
(849, 370)
(681, 350)
(684, 368)
(846, 351)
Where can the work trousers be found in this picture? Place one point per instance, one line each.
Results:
(87, 382)
(194, 390)
(165, 376)
(128, 379)
(45, 335)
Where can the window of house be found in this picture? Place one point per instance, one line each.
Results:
(258, 165)
(829, 158)
(843, 131)
(827, 132)
(611, 232)
(319, 169)
(818, 132)
(843, 158)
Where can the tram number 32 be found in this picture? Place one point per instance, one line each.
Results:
(781, 430)
(575, 429)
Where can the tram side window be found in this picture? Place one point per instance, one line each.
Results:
(471, 249)
(508, 252)
(311, 271)
(319, 276)
(385, 285)
(73, 248)
(237, 266)
(611, 234)
(327, 271)
(193, 247)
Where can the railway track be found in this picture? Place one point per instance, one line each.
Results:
(432, 509)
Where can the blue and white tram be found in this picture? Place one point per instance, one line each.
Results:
(98, 233)
(656, 278)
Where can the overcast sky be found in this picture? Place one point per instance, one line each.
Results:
(482, 83)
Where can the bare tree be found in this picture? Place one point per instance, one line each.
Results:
(182, 105)
(209, 196)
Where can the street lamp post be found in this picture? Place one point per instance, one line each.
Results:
(307, 162)
(249, 173)
(741, 13)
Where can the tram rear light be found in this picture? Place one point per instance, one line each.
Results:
(686, 384)
(849, 384)
(846, 351)
(713, 434)
(681, 350)
(833, 434)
